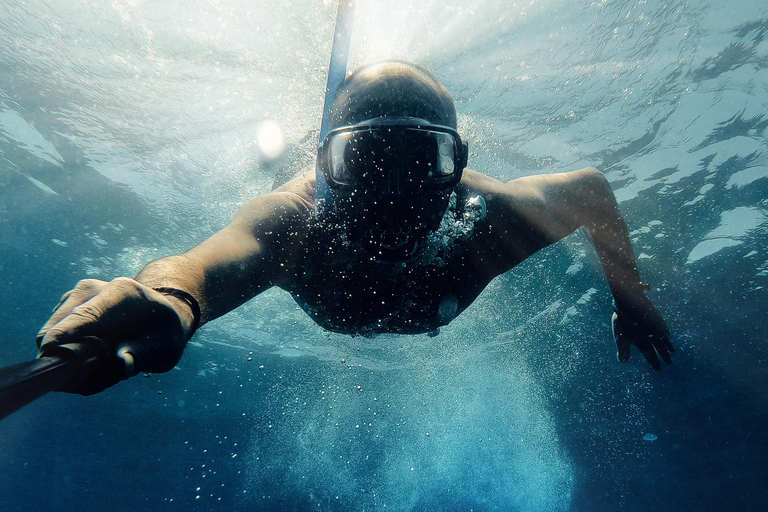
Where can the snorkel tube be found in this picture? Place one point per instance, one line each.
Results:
(337, 70)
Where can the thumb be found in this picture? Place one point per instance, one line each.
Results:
(622, 343)
(155, 352)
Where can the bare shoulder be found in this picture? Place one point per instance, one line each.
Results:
(473, 182)
(543, 206)
(302, 186)
(526, 189)
(293, 201)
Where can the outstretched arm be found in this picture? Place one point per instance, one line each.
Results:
(248, 256)
(144, 322)
(554, 206)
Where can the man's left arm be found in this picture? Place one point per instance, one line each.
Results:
(555, 205)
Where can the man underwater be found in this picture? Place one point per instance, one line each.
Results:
(406, 240)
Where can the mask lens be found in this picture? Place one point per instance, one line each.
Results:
(361, 155)
(446, 151)
(420, 154)
(428, 156)
(343, 164)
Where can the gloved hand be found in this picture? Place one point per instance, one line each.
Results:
(639, 323)
(140, 329)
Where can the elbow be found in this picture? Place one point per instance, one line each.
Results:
(592, 197)
(594, 183)
(591, 174)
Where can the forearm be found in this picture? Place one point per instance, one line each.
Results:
(606, 229)
(217, 290)
(177, 273)
(635, 320)
(556, 205)
(248, 256)
(222, 273)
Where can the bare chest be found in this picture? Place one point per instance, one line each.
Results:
(347, 290)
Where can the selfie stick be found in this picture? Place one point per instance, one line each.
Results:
(62, 365)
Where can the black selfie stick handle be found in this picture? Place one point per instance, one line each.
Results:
(60, 367)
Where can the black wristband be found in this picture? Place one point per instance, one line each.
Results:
(188, 299)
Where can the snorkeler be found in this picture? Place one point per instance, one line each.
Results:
(405, 241)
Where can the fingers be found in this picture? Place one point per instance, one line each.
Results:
(138, 328)
(658, 338)
(105, 310)
(83, 292)
(666, 343)
(664, 348)
(650, 337)
(81, 321)
(61, 301)
(654, 347)
(658, 334)
(649, 353)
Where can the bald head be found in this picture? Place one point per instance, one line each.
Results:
(392, 88)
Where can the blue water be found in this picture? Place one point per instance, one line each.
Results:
(128, 131)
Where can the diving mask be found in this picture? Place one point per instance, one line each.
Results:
(392, 153)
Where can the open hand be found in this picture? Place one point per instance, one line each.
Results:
(641, 325)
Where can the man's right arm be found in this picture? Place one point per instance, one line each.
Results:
(146, 321)
(254, 252)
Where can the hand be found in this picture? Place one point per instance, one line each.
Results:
(139, 327)
(641, 325)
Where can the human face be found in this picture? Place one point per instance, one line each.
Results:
(394, 153)
(392, 178)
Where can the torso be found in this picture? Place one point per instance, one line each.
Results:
(345, 289)
(351, 292)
